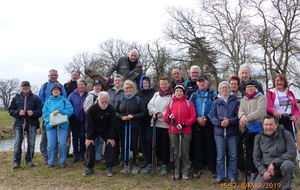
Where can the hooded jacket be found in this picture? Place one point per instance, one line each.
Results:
(89, 100)
(57, 103)
(77, 102)
(220, 110)
(184, 113)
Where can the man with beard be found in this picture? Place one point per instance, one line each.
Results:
(100, 121)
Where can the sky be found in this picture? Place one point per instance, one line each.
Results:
(38, 35)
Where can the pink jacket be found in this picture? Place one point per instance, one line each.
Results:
(183, 113)
(271, 95)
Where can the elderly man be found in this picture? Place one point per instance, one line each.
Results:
(101, 121)
(129, 67)
(273, 155)
(191, 84)
(26, 108)
(177, 77)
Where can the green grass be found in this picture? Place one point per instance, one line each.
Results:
(5, 119)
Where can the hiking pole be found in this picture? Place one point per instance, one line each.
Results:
(173, 148)
(30, 145)
(129, 139)
(125, 143)
(245, 157)
(225, 141)
(295, 138)
(57, 144)
(153, 145)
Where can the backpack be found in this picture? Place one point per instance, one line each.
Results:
(171, 103)
(138, 99)
(210, 95)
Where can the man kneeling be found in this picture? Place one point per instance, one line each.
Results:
(100, 121)
(273, 155)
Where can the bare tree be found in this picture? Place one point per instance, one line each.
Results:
(8, 89)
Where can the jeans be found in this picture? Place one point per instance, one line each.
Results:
(31, 134)
(53, 135)
(78, 135)
(98, 148)
(231, 145)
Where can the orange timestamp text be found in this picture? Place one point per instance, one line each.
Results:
(250, 185)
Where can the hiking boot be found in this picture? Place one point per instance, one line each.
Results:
(49, 166)
(231, 180)
(126, 170)
(147, 169)
(134, 170)
(82, 158)
(76, 159)
(185, 177)
(88, 172)
(29, 164)
(212, 174)
(16, 166)
(197, 174)
(252, 177)
(164, 170)
(218, 181)
(109, 172)
(62, 165)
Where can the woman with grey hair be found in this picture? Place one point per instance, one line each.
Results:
(77, 120)
(224, 116)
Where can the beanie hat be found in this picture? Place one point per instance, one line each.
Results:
(180, 85)
(56, 85)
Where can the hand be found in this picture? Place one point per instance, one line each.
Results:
(111, 141)
(201, 120)
(88, 142)
(243, 120)
(55, 112)
(124, 118)
(160, 115)
(181, 126)
(30, 113)
(129, 117)
(22, 112)
(271, 169)
(267, 175)
(277, 114)
(225, 122)
(293, 118)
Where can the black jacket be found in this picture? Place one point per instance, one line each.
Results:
(146, 96)
(33, 103)
(100, 122)
(134, 106)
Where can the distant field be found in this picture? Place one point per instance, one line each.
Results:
(5, 119)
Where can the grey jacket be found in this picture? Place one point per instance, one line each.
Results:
(273, 149)
(122, 68)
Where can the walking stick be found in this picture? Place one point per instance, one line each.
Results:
(245, 157)
(295, 138)
(129, 140)
(153, 145)
(125, 143)
(31, 150)
(173, 148)
(225, 141)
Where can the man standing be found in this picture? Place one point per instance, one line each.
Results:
(26, 108)
(191, 84)
(129, 67)
(44, 94)
(101, 121)
(273, 155)
(177, 76)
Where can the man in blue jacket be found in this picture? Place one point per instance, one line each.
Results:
(26, 108)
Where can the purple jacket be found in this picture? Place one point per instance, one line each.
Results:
(77, 102)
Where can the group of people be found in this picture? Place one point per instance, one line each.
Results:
(184, 122)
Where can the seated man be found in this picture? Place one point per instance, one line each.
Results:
(273, 155)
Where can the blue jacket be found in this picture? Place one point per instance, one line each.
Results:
(56, 103)
(190, 87)
(219, 110)
(77, 102)
(202, 102)
(45, 93)
(33, 103)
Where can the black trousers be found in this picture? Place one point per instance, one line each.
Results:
(134, 143)
(109, 155)
(288, 124)
(245, 161)
(203, 147)
(163, 145)
(146, 142)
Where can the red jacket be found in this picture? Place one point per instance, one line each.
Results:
(183, 111)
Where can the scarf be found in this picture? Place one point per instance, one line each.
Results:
(129, 97)
(250, 96)
(169, 91)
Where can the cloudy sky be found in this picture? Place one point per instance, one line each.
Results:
(38, 35)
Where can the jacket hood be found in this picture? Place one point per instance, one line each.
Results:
(58, 97)
(93, 92)
(141, 82)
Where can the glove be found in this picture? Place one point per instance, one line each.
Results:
(181, 126)
(171, 116)
(110, 82)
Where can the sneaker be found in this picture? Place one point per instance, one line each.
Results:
(164, 170)
(76, 159)
(197, 174)
(88, 172)
(62, 165)
(16, 166)
(135, 170)
(185, 177)
(49, 166)
(218, 181)
(109, 172)
(175, 177)
(29, 164)
(126, 170)
(147, 169)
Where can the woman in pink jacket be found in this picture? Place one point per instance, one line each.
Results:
(282, 103)
(180, 115)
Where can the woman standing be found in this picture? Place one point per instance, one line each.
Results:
(282, 103)
(77, 120)
(157, 109)
(56, 104)
(251, 112)
(180, 115)
(129, 111)
(224, 116)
